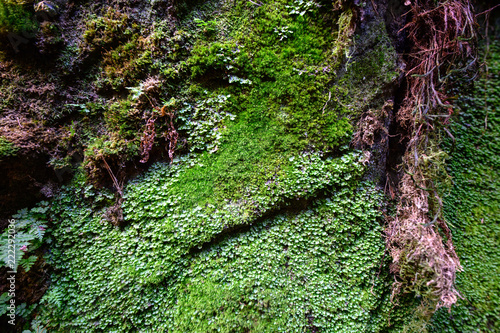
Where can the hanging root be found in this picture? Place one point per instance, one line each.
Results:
(171, 135)
(443, 46)
(443, 40)
(422, 263)
(148, 139)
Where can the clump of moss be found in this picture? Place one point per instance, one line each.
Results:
(104, 31)
(16, 17)
(116, 40)
(370, 67)
(7, 148)
(125, 64)
(103, 151)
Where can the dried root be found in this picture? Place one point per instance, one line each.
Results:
(443, 45)
(422, 263)
(171, 136)
(148, 137)
(443, 40)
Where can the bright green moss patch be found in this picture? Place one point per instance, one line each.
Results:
(292, 272)
(472, 207)
(7, 148)
(279, 67)
(247, 156)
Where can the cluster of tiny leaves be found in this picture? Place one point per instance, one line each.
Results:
(204, 121)
(472, 206)
(288, 272)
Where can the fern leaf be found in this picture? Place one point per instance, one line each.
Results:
(53, 297)
(11, 253)
(38, 230)
(28, 262)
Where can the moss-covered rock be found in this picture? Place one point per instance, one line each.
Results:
(267, 218)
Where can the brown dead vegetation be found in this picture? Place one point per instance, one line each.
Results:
(442, 38)
(372, 125)
(171, 136)
(148, 139)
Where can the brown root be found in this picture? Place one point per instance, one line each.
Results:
(148, 139)
(443, 45)
(171, 136)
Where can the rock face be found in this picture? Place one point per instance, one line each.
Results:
(221, 166)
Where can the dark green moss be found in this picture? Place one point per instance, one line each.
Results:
(371, 68)
(472, 207)
(16, 17)
(103, 31)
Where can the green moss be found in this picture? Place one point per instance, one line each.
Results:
(111, 148)
(104, 31)
(16, 17)
(7, 148)
(116, 40)
(122, 117)
(291, 272)
(212, 57)
(126, 64)
(270, 279)
(472, 207)
(265, 225)
(371, 68)
(279, 62)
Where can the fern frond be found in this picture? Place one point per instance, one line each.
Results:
(53, 297)
(38, 230)
(11, 253)
(28, 262)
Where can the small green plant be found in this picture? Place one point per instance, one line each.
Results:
(27, 263)
(4, 303)
(208, 28)
(7, 148)
(36, 327)
(23, 236)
